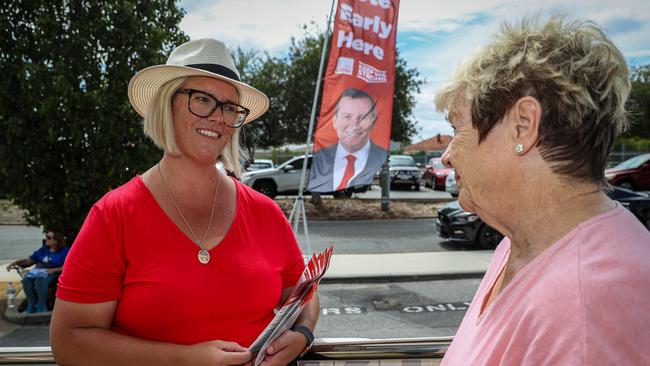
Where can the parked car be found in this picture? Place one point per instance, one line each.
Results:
(633, 174)
(450, 184)
(404, 171)
(435, 174)
(259, 164)
(456, 224)
(284, 179)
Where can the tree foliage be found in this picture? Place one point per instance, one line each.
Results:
(639, 103)
(67, 131)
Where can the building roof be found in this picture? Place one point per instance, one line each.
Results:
(435, 143)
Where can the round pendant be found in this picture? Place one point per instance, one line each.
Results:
(204, 256)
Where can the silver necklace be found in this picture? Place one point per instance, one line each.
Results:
(203, 255)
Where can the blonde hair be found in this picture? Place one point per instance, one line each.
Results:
(576, 73)
(159, 127)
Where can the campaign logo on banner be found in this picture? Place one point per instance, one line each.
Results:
(369, 74)
(345, 65)
(352, 135)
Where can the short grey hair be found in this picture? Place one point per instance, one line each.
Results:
(576, 73)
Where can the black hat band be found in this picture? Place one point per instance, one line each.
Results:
(216, 69)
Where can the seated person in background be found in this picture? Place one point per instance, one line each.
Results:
(49, 261)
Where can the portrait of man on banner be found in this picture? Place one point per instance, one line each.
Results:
(355, 158)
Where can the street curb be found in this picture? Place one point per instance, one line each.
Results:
(405, 278)
(368, 218)
(14, 317)
(416, 200)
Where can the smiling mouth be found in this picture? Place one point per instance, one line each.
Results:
(209, 133)
(354, 133)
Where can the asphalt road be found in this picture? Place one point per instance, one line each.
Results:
(19, 241)
(394, 310)
(362, 310)
(358, 310)
(369, 237)
(348, 237)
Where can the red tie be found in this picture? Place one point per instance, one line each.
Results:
(349, 172)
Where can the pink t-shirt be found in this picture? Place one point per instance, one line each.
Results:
(583, 301)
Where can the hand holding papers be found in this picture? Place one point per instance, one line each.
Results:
(287, 315)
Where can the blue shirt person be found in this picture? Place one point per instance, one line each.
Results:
(48, 261)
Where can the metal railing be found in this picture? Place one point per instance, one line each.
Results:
(428, 351)
(26, 355)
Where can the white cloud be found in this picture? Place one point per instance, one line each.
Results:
(441, 34)
(260, 24)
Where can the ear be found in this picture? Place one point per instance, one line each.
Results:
(525, 116)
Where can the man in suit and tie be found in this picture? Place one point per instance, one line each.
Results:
(355, 159)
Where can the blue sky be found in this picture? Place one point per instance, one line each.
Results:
(433, 36)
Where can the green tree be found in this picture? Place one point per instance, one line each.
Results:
(639, 103)
(407, 85)
(67, 131)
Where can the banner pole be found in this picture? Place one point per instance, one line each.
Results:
(299, 203)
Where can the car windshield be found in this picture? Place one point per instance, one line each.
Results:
(439, 165)
(401, 161)
(257, 165)
(296, 163)
(635, 162)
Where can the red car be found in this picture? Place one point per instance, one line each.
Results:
(435, 174)
(632, 174)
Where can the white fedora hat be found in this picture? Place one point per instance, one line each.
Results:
(201, 57)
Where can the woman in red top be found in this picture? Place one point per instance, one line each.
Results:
(182, 265)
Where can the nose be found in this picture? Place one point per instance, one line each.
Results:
(217, 116)
(446, 156)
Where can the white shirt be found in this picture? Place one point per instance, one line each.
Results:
(341, 162)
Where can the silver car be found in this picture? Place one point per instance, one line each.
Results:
(450, 184)
(284, 179)
(404, 172)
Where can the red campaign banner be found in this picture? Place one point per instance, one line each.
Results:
(352, 135)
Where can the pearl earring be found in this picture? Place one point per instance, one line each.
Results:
(519, 148)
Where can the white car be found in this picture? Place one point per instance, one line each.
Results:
(450, 184)
(284, 179)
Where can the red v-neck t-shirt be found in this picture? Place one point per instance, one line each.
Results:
(130, 251)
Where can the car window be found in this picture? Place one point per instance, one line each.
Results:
(296, 163)
(635, 162)
(261, 165)
(401, 161)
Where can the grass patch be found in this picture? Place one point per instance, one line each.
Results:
(357, 209)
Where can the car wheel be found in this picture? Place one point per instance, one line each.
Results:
(267, 188)
(346, 193)
(626, 184)
(489, 238)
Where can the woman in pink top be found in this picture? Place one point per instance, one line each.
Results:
(183, 265)
(535, 115)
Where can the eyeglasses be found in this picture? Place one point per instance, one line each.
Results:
(202, 104)
(49, 237)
